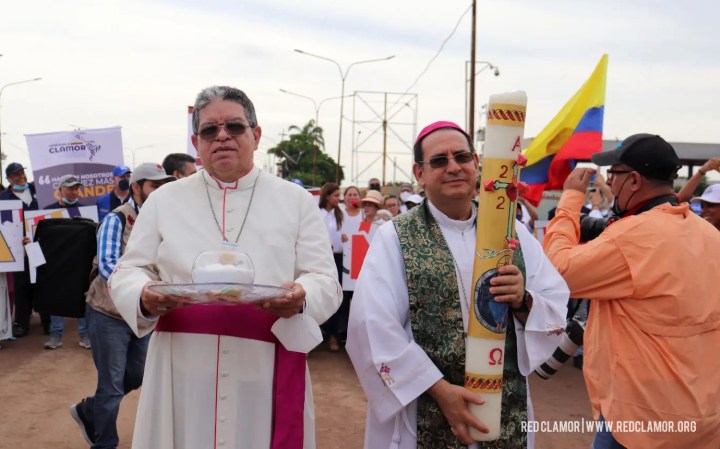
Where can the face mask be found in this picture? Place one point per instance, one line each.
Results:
(616, 203)
(124, 184)
(68, 202)
(21, 188)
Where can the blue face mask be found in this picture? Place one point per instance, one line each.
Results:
(21, 188)
(68, 202)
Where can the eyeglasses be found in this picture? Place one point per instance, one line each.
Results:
(210, 131)
(613, 173)
(463, 157)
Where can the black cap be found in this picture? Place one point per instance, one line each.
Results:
(648, 154)
(13, 168)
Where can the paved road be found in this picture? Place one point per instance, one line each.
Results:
(37, 386)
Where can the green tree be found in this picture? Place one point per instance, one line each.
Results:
(303, 157)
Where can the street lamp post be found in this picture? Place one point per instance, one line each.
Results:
(471, 124)
(1, 91)
(470, 73)
(132, 151)
(343, 76)
(316, 105)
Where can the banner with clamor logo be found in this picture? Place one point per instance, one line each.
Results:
(89, 154)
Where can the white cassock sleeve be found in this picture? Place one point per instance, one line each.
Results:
(541, 334)
(392, 368)
(314, 268)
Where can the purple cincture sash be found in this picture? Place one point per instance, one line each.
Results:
(247, 321)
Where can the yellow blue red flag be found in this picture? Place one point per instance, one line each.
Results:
(574, 134)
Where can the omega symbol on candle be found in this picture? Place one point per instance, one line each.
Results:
(496, 356)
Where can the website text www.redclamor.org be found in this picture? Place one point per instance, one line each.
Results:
(592, 426)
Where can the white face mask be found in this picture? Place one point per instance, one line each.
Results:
(68, 202)
(299, 333)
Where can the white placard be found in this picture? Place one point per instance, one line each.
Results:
(33, 217)
(190, 147)
(5, 316)
(35, 255)
(11, 235)
(354, 252)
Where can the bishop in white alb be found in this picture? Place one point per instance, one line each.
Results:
(215, 377)
(380, 334)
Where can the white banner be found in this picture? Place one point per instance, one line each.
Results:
(11, 235)
(89, 154)
(5, 315)
(190, 147)
(33, 217)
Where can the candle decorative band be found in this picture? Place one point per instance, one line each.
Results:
(506, 115)
(483, 384)
(494, 247)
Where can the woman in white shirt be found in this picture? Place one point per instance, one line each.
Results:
(333, 218)
(351, 208)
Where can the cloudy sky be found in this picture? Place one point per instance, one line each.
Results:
(139, 64)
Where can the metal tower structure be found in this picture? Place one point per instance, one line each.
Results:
(384, 126)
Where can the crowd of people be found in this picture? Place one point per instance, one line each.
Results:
(118, 354)
(393, 336)
(344, 216)
(391, 271)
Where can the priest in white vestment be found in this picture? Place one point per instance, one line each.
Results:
(216, 376)
(394, 369)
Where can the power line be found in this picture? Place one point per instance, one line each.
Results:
(442, 47)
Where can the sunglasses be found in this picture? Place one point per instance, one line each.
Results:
(613, 173)
(210, 131)
(463, 157)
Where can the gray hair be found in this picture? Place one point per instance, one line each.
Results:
(222, 93)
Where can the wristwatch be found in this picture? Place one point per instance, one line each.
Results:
(526, 304)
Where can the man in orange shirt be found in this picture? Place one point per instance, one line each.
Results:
(650, 362)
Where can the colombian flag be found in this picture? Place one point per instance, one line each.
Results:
(574, 133)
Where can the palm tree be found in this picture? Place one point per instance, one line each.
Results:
(301, 141)
(314, 134)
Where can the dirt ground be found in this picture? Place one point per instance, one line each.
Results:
(37, 386)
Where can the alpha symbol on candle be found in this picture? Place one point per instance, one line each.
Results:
(517, 145)
(496, 356)
(505, 259)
